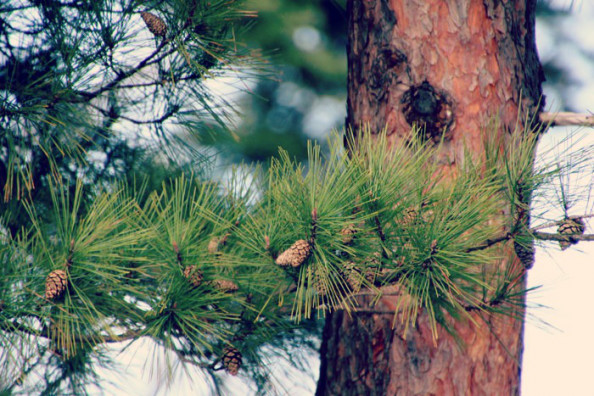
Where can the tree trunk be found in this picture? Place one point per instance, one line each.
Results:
(451, 67)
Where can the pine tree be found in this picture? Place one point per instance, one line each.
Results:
(381, 239)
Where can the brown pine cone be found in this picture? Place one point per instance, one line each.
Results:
(348, 234)
(570, 227)
(353, 275)
(232, 360)
(525, 253)
(224, 285)
(213, 245)
(295, 255)
(55, 284)
(155, 24)
(193, 275)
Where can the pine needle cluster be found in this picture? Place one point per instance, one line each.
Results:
(216, 273)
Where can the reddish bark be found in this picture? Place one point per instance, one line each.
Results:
(447, 65)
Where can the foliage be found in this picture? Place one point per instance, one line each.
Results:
(381, 220)
(86, 88)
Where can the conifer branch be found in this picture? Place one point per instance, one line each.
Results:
(168, 114)
(567, 119)
(546, 236)
(16, 326)
(149, 60)
(490, 242)
(559, 222)
(379, 229)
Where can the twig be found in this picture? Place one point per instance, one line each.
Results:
(159, 120)
(149, 60)
(567, 118)
(490, 242)
(19, 327)
(546, 236)
(559, 222)
(379, 229)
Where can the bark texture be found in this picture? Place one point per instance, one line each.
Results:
(450, 67)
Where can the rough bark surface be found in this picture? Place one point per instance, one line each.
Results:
(450, 67)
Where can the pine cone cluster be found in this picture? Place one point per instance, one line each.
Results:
(295, 255)
(155, 24)
(226, 286)
(232, 360)
(570, 227)
(193, 275)
(55, 284)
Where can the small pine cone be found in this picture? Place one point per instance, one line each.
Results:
(353, 276)
(320, 284)
(570, 227)
(155, 24)
(348, 234)
(525, 253)
(409, 216)
(231, 360)
(226, 286)
(213, 245)
(295, 255)
(55, 284)
(194, 276)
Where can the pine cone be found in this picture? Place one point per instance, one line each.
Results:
(320, 282)
(570, 227)
(295, 255)
(348, 234)
(353, 275)
(194, 276)
(409, 216)
(155, 24)
(226, 286)
(213, 245)
(525, 253)
(55, 284)
(231, 360)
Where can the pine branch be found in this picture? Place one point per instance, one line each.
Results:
(168, 114)
(490, 242)
(14, 326)
(559, 222)
(149, 60)
(546, 236)
(567, 119)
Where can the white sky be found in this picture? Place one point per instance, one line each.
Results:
(558, 360)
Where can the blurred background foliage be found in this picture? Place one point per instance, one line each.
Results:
(304, 95)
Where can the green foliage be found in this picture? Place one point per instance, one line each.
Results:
(82, 84)
(194, 265)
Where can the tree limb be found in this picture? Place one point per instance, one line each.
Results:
(546, 236)
(567, 119)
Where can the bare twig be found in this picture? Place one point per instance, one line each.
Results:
(559, 222)
(490, 242)
(169, 113)
(567, 118)
(546, 236)
(149, 60)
